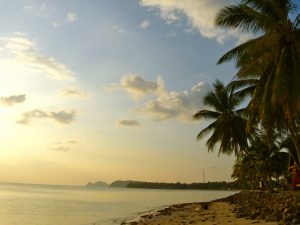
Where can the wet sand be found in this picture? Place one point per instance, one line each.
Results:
(195, 213)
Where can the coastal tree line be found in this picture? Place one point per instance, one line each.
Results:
(256, 115)
(193, 186)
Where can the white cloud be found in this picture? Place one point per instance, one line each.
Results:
(56, 25)
(23, 51)
(180, 105)
(118, 29)
(43, 10)
(62, 117)
(59, 148)
(137, 87)
(145, 24)
(128, 123)
(28, 7)
(74, 92)
(62, 146)
(200, 15)
(72, 17)
(12, 100)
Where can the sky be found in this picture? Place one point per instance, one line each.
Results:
(106, 89)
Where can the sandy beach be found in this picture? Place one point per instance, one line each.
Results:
(195, 213)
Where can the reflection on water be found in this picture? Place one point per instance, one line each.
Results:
(62, 205)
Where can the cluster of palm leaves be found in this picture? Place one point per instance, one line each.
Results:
(269, 76)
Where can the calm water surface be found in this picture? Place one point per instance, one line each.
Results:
(54, 205)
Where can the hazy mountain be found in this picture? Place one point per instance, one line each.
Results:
(98, 184)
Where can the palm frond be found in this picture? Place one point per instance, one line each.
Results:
(296, 22)
(241, 50)
(246, 92)
(237, 84)
(206, 114)
(212, 100)
(275, 9)
(240, 16)
(206, 130)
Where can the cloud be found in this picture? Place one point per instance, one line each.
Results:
(74, 92)
(62, 117)
(12, 100)
(59, 148)
(167, 104)
(28, 7)
(145, 24)
(136, 86)
(56, 25)
(72, 17)
(200, 16)
(128, 123)
(118, 29)
(180, 105)
(43, 10)
(21, 50)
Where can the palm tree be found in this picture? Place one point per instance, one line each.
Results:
(229, 131)
(288, 144)
(245, 173)
(228, 128)
(272, 58)
(270, 160)
(264, 162)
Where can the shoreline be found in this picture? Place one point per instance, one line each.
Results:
(204, 213)
(240, 208)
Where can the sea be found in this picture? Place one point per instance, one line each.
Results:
(27, 204)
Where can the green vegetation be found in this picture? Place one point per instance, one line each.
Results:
(120, 183)
(193, 186)
(268, 75)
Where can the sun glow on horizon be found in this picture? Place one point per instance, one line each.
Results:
(87, 96)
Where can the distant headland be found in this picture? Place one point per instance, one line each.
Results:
(217, 185)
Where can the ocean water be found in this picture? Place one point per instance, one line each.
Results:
(58, 205)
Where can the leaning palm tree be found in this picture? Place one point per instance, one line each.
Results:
(272, 58)
(228, 127)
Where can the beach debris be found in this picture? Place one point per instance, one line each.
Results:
(269, 206)
(205, 205)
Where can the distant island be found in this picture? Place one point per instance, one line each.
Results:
(161, 185)
(98, 184)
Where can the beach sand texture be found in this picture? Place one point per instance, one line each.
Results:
(196, 214)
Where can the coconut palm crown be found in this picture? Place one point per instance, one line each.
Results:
(272, 59)
(228, 127)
